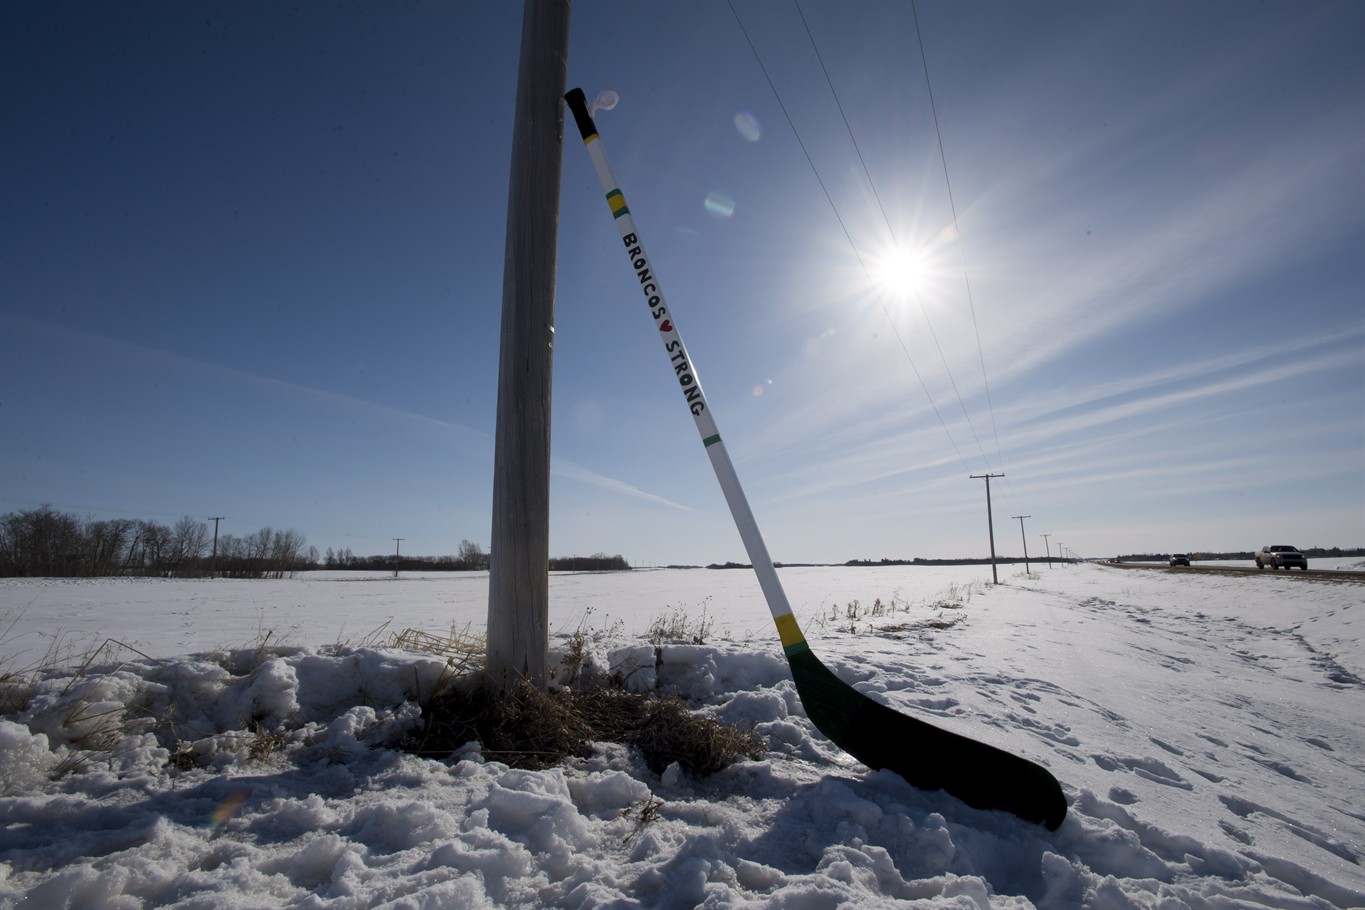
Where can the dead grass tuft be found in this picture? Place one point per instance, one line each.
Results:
(699, 743)
(527, 728)
(462, 649)
(262, 745)
(535, 729)
(678, 627)
(643, 813)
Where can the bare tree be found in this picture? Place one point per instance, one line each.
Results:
(472, 556)
(41, 541)
(106, 545)
(286, 552)
(149, 549)
(189, 542)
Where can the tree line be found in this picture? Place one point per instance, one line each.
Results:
(43, 542)
(470, 557)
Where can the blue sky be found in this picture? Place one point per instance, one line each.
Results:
(251, 263)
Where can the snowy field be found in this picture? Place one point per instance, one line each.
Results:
(1209, 732)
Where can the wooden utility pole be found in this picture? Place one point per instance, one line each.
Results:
(1048, 546)
(1021, 534)
(397, 542)
(990, 522)
(213, 567)
(518, 578)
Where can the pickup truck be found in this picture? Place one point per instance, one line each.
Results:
(1281, 556)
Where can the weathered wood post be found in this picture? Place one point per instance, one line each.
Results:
(518, 582)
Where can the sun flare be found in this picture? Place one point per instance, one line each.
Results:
(898, 274)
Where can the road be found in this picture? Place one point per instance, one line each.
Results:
(1322, 575)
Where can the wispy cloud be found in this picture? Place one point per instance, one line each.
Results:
(572, 471)
(470, 441)
(1307, 352)
(897, 450)
(1197, 243)
(1171, 388)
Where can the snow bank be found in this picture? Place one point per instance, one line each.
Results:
(1207, 735)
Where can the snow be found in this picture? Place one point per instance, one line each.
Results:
(223, 744)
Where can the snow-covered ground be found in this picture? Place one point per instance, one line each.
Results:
(1209, 732)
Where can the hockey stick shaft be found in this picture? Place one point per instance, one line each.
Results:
(879, 736)
(688, 381)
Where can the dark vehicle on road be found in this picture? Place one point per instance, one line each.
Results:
(1180, 559)
(1281, 556)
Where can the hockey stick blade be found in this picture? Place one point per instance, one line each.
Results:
(880, 737)
(928, 757)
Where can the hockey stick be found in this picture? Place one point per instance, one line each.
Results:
(878, 736)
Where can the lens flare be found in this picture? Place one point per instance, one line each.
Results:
(720, 205)
(230, 807)
(747, 126)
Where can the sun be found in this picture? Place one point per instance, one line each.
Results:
(898, 274)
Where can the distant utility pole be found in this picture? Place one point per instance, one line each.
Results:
(990, 522)
(518, 638)
(397, 542)
(213, 569)
(1021, 534)
(1049, 549)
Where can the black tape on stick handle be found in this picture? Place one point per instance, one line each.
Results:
(578, 104)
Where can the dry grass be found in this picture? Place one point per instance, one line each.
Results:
(643, 813)
(885, 617)
(463, 651)
(677, 627)
(532, 728)
(18, 682)
(245, 661)
(263, 744)
(93, 725)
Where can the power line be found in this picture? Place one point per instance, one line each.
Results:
(895, 241)
(844, 228)
(957, 233)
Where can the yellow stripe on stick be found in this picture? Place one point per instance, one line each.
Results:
(788, 630)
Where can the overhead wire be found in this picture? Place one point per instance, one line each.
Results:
(957, 233)
(892, 231)
(844, 227)
(895, 241)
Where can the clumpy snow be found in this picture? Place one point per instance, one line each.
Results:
(1208, 731)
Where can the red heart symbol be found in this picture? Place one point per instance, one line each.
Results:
(665, 326)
